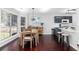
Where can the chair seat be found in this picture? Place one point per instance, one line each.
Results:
(27, 38)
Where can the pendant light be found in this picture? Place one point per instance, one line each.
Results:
(33, 15)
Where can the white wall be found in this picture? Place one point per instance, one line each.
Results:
(48, 20)
(74, 39)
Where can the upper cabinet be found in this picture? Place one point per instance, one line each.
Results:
(58, 19)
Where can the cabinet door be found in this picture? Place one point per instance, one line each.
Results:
(67, 17)
(70, 19)
(57, 19)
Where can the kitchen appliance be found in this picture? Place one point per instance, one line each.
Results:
(65, 20)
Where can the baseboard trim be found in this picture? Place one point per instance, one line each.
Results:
(5, 42)
(47, 34)
(8, 43)
(73, 49)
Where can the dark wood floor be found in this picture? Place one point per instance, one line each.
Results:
(47, 43)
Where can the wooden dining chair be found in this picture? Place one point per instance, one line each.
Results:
(27, 36)
(36, 36)
(20, 38)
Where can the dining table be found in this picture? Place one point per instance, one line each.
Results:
(35, 35)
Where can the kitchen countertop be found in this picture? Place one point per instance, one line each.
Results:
(68, 30)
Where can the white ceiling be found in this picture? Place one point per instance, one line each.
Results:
(49, 11)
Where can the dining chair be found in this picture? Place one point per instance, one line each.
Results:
(36, 36)
(20, 39)
(27, 36)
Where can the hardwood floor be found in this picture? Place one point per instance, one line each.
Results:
(47, 43)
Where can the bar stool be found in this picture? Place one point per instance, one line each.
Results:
(66, 38)
(59, 36)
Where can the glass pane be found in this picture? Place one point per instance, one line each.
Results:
(14, 24)
(4, 25)
(22, 21)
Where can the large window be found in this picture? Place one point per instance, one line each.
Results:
(5, 25)
(14, 24)
(8, 25)
(23, 23)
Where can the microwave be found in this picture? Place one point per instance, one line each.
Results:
(65, 20)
